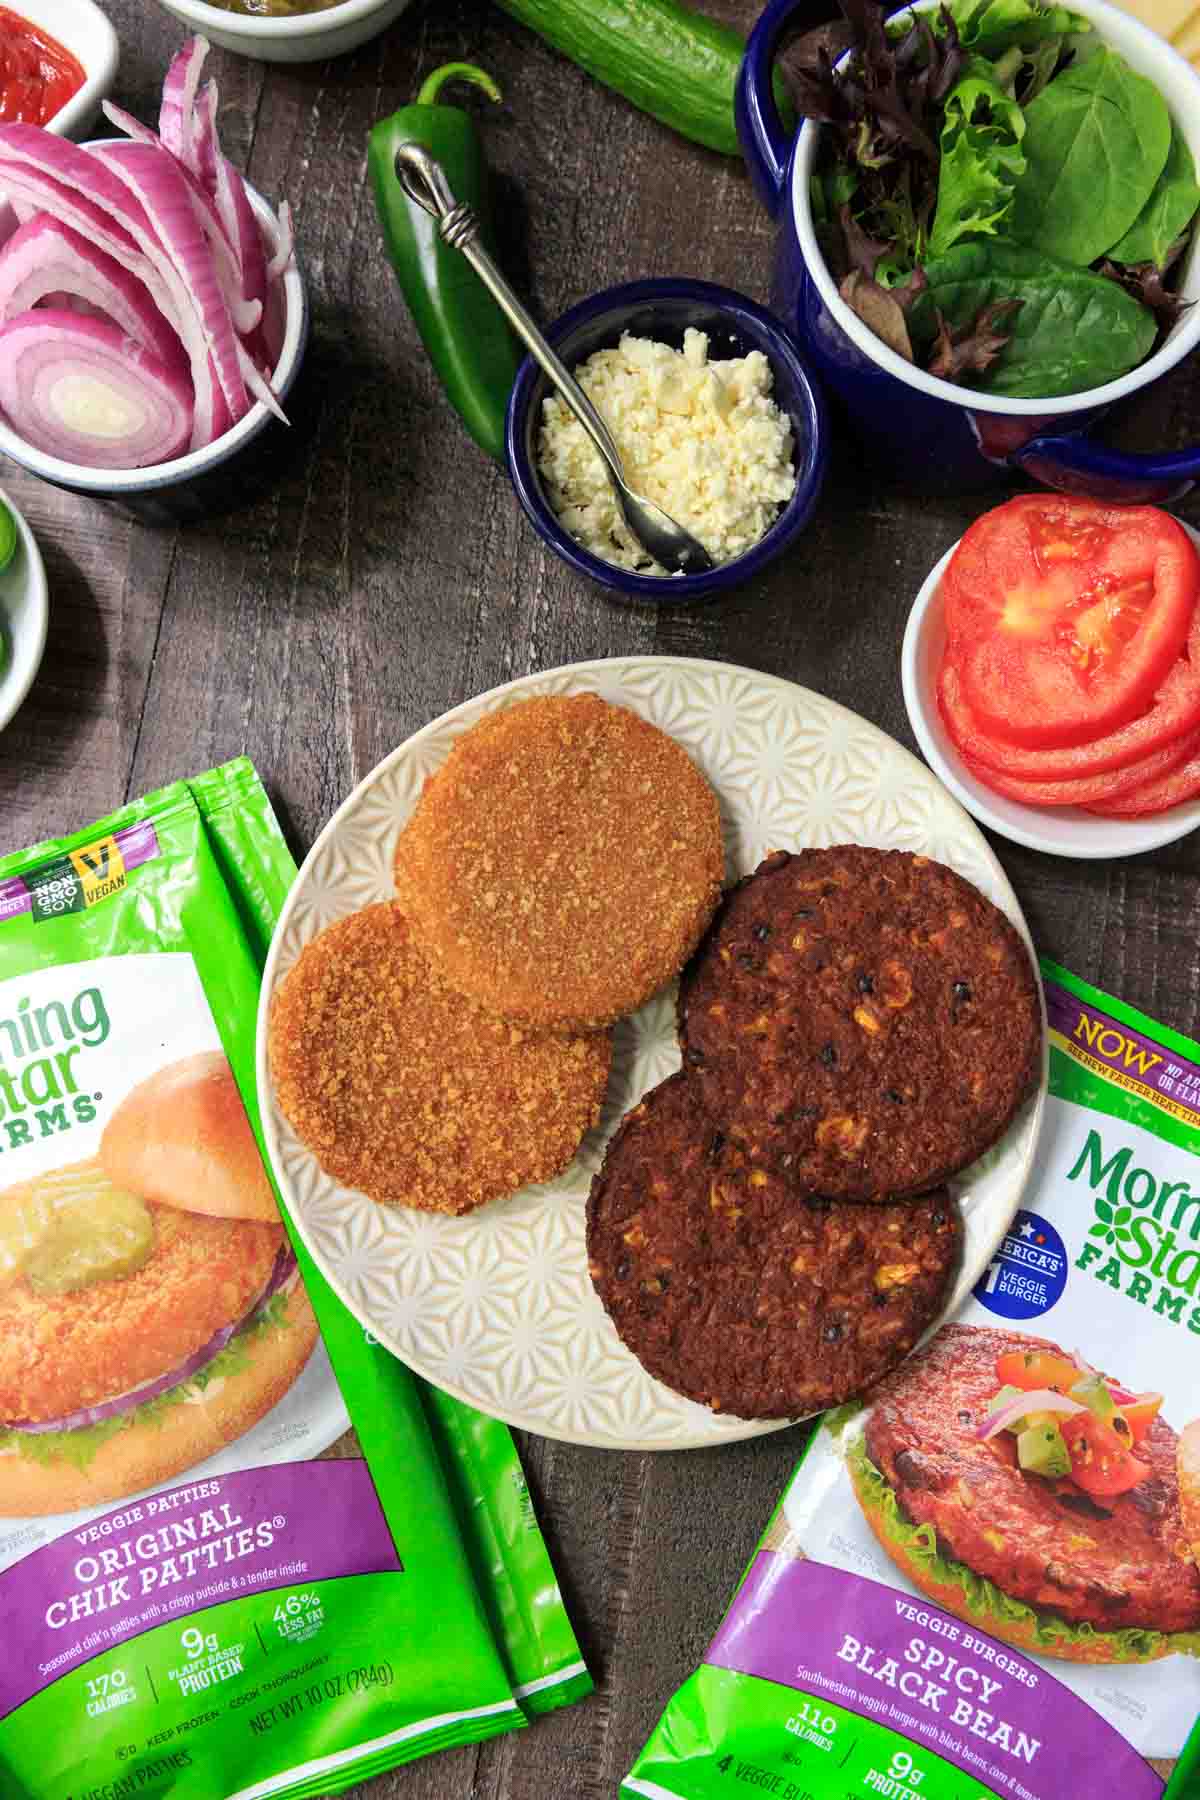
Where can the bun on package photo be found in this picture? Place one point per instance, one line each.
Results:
(155, 1312)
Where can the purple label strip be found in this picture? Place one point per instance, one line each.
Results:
(932, 1679)
(1136, 1060)
(138, 844)
(178, 1551)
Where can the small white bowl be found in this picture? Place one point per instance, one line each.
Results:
(24, 614)
(1058, 830)
(83, 29)
(220, 476)
(308, 37)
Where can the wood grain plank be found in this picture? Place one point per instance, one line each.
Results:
(390, 574)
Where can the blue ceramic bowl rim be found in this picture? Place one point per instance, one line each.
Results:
(813, 455)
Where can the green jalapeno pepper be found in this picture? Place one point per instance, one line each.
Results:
(463, 330)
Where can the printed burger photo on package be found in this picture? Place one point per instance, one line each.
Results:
(599, 901)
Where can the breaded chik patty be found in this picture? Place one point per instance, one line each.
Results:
(563, 863)
(1108, 1563)
(740, 1292)
(864, 1020)
(402, 1087)
(60, 1353)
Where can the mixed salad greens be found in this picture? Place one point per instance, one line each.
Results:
(1002, 199)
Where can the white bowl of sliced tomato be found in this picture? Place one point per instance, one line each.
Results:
(1051, 671)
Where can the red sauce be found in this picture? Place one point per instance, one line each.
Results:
(37, 76)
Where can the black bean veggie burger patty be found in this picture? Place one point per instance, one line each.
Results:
(730, 1286)
(1108, 1563)
(864, 1020)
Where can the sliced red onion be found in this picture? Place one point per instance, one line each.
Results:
(124, 121)
(245, 314)
(72, 185)
(231, 199)
(205, 147)
(155, 179)
(175, 125)
(176, 220)
(259, 386)
(285, 1267)
(285, 244)
(1037, 1400)
(46, 263)
(80, 389)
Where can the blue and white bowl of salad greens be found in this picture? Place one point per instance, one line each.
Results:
(992, 203)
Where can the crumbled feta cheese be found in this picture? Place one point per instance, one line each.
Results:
(703, 440)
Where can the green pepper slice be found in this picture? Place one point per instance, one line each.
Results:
(461, 327)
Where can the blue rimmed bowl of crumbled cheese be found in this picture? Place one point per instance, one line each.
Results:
(716, 420)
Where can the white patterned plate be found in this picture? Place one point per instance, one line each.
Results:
(497, 1307)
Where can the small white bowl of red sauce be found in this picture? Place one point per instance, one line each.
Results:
(58, 60)
(1072, 830)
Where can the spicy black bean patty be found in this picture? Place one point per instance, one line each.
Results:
(863, 1020)
(734, 1289)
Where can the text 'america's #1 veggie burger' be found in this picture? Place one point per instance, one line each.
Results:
(1035, 1498)
(151, 1309)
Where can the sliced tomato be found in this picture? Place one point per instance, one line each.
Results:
(1064, 616)
(1139, 1413)
(1093, 791)
(1176, 710)
(1178, 785)
(1029, 1369)
(1100, 1463)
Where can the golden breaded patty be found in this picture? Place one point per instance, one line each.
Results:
(61, 1352)
(563, 863)
(403, 1088)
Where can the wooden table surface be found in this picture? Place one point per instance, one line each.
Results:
(392, 574)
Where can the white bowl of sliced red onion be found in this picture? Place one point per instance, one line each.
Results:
(152, 316)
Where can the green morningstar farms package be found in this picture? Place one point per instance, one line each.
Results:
(984, 1580)
(193, 1606)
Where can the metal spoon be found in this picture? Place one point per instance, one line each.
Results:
(424, 181)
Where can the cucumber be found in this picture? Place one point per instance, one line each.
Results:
(671, 62)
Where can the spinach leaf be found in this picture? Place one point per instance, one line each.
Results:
(1166, 214)
(1073, 330)
(1096, 142)
(981, 160)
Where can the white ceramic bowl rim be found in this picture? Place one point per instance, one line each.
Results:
(299, 25)
(196, 462)
(28, 638)
(1179, 85)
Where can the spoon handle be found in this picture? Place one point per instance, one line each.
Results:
(424, 182)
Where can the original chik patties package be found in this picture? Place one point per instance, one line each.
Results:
(192, 1604)
(985, 1580)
